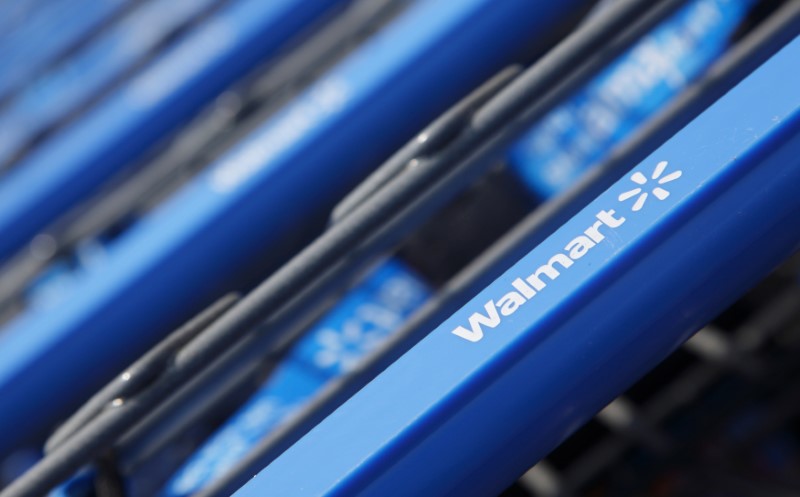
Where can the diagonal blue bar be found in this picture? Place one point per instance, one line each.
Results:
(577, 320)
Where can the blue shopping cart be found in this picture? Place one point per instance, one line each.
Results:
(578, 279)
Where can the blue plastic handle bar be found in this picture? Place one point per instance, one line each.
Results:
(65, 89)
(36, 33)
(304, 159)
(163, 96)
(578, 319)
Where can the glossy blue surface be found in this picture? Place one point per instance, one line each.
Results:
(461, 417)
(67, 87)
(303, 159)
(126, 123)
(34, 33)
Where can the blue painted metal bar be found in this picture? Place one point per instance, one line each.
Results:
(578, 319)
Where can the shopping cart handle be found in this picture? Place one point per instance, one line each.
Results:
(578, 319)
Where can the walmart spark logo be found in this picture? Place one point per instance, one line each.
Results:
(657, 191)
(528, 285)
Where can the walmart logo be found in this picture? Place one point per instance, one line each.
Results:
(657, 191)
(524, 288)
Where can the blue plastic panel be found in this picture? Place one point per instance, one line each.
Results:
(580, 318)
(580, 132)
(362, 320)
(303, 159)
